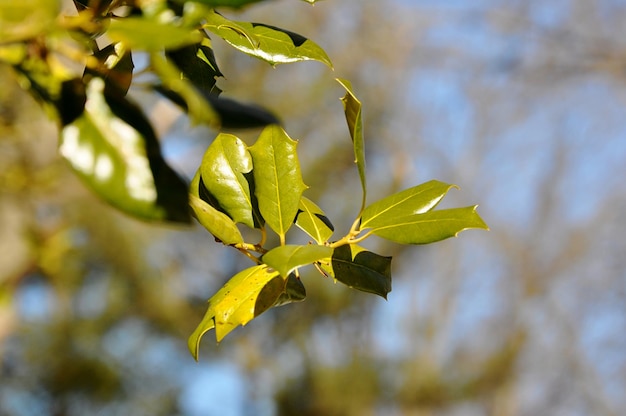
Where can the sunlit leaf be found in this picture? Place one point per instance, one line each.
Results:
(269, 43)
(428, 227)
(112, 147)
(278, 179)
(361, 269)
(151, 35)
(217, 223)
(416, 200)
(235, 304)
(352, 108)
(287, 258)
(223, 167)
(312, 220)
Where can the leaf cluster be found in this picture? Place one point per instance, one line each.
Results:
(112, 146)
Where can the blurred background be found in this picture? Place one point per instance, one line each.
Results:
(520, 103)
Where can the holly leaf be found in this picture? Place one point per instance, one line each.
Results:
(223, 170)
(352, 109)
(277, 178)
(361, 269)
(287, 258)
(312, 220)
(428, 227)
(216, 222)
(237, 303)
(269, 43)
(112, 147)
(416, 200)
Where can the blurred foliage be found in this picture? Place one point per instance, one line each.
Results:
(523, 100)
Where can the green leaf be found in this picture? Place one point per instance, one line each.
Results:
(277, 178)
(312, 220)
(217, 223)
(287, 258)
(362, 269)
(26, 19)
(269, 43)
(416, 200)
(236, 303)
(151, 35)
(352, 108)
(223, 167)
(112, 147)
(430, 226)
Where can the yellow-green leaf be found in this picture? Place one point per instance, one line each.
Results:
(217, 223)
(269, 43)
(289, 257)
(223, 167)
(151, 35)
(26, 19)
(112, 147)
(429, 227)
(236, 303)
(312, 220)
(277, 178)
(415, 200)
(352, 109)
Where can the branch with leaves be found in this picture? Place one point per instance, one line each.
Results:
(112, 146)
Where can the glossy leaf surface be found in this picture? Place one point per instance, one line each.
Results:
(416, 200)
(430, 226)
(312, 220)
(112, 147)
(223, 167)
(287, 258)
(352, 109)
(277, 178)
(236, 304)
(269, 43)
(361, 269)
